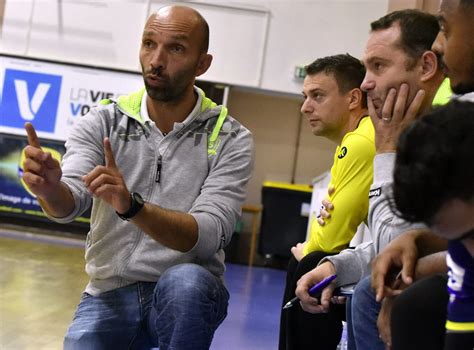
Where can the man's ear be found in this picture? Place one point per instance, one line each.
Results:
(204, 63)
(429, 66)
(355, 96)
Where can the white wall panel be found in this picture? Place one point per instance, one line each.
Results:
(103, 33)
(14, 38)
(237, 40)
(255, 44)
(301, 31)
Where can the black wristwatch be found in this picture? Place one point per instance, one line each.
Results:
(136, 204)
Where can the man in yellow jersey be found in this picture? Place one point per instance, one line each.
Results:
(402, 79)
(335, 107)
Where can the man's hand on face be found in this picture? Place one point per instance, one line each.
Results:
(107, 183)
(312, 304)
(41, 172)
(395, 116)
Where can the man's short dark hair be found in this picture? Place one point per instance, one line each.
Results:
(348, 71)
(435, 162)
(467, 4)
(418, 31)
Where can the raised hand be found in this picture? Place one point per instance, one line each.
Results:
(41, 172)
(395, 116)
(107, 183)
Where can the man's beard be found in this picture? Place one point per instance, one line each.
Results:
(173, 89)
(463, 88)
(167, 93)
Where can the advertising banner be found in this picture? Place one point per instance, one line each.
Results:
(15, 198)
(52, 96)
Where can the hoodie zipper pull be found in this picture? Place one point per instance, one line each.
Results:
(158, 170)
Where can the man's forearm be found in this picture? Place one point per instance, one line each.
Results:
(431, 265)
(173, 229)
(352, 264)
(60, 203)
(428, 243)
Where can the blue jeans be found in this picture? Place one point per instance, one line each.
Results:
(181, 311)
(365, 311)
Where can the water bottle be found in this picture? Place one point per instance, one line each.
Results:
(343, 343)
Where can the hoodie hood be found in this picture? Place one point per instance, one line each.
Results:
(130, 106)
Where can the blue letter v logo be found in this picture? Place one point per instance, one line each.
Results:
(29, 108)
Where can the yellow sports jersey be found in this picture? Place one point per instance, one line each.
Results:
(444, 93)
(351, 176)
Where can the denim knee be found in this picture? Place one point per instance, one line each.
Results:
(185, 281)
(107, 321)
(363, 294)
(188, 305)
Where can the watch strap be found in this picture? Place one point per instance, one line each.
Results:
(136, 204)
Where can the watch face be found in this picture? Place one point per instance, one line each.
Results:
(137, 198)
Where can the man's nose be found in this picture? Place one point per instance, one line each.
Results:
(367, 84)
(158, 59)
(306, 107)
(438, 44)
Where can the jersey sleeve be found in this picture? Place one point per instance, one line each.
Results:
(351, 178)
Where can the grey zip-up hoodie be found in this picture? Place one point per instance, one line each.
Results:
(354, 264)
(182, 171)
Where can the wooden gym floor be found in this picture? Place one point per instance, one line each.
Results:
(42, 278)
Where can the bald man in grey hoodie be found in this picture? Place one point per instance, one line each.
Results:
(165, 169)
